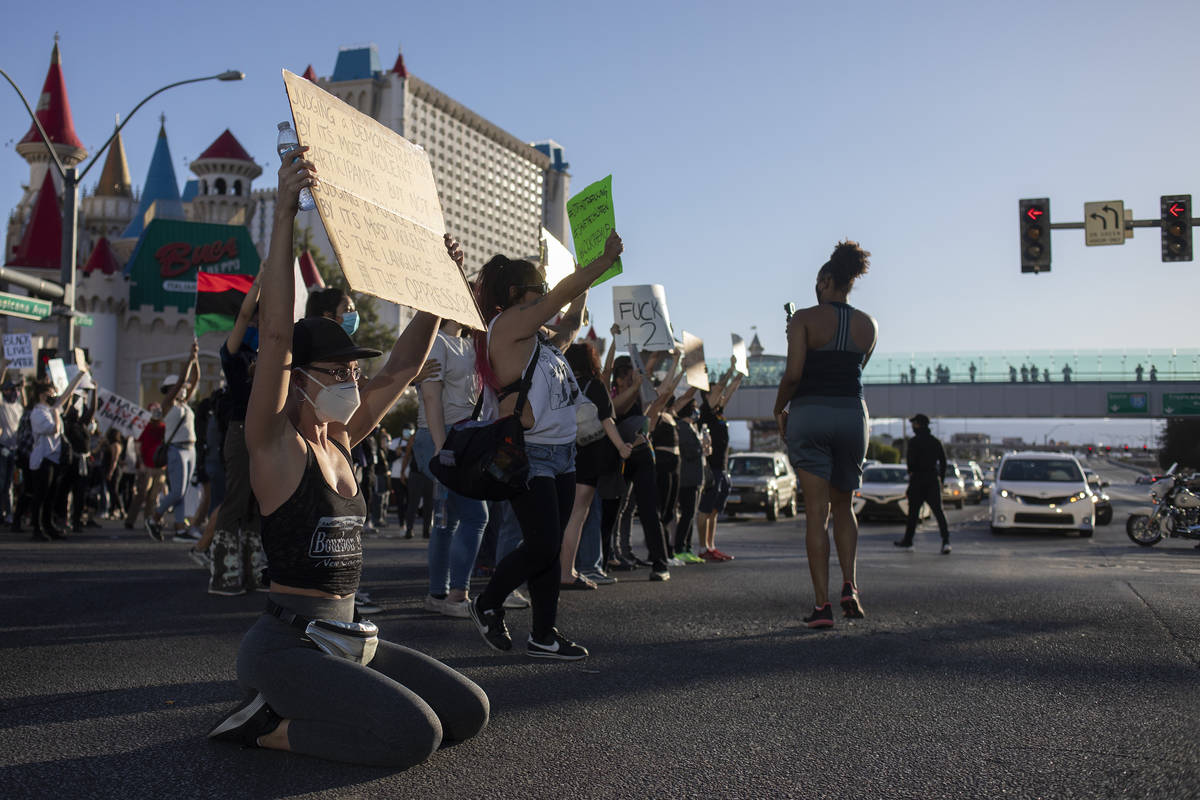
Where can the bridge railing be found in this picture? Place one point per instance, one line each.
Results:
(1025, 366)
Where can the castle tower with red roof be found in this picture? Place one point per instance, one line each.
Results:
(53, 110)
(225, 171)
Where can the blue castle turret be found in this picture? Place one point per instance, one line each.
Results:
(161, 189)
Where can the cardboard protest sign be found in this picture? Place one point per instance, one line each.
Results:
(646, 393)
(114, 411)
(592, 218)
(641, 313)
(18, 350)
(739, 355)
(695, 369)
(58, 374)
(379, 205)
(556, 259)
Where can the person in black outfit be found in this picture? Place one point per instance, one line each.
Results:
(926, 471)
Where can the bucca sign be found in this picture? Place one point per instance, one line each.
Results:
(163, 269)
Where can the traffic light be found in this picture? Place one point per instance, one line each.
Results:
(1176, 214)
(1035, 234)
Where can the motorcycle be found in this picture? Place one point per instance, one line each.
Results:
(1176, 512)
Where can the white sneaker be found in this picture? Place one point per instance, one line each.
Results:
(516, 600)
(456, 608)
(674, 562)
(434, 604)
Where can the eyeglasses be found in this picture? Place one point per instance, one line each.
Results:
(540, 288)
(341, 374)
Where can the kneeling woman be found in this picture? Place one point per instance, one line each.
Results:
(305, 414)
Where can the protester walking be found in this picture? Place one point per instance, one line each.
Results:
(821, 412)
(12, 409)
(180, 441)
(516, 302)
(150, 479)
(381, 704)
(926, 473)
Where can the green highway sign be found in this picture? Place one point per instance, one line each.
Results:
(15, 305)
(1181, 404)
(84, 320)
(1128, 403)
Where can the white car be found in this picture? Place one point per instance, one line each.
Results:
(883, 496)
(1042, 490)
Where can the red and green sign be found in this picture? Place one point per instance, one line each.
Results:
(169, 255)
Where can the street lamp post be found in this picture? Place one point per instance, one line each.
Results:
(71, 179)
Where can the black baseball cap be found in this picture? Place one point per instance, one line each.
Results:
(920, 419)
(322, 339)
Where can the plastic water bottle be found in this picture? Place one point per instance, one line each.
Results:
(287, 143)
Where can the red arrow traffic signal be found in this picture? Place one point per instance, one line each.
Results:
(1175, 209)
(1034, 213)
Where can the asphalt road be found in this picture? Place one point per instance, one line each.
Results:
(1024, 665)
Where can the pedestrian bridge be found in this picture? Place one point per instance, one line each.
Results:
(1142, 384)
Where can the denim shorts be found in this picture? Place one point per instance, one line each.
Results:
(550, 460)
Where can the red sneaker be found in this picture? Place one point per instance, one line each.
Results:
(709, 555)
(721, 556)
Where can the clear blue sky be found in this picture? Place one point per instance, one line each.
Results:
(744, 138)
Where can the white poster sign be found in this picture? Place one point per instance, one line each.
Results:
(695, 369)
(18, 350)
(58, 374)
(114, 411)
(739, 355)
(641, 313)
(557, 260)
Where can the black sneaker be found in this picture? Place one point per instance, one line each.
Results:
(905, 543)
(660, 575)
(154, 529)
(39, 535)
(851, 605)
(247, 722)
(560, 648)
(491, 626)
(820, 617)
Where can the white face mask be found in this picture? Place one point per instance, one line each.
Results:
(336, 403)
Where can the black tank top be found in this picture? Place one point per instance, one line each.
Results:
(314, 540)
(834, 370)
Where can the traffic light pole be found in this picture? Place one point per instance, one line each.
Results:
(1129, 223)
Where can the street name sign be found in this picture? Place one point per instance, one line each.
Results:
(1104, 222)
(1181, 404)
(1128, 403)
(14, 305)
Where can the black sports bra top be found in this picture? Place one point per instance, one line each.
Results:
(314, 540)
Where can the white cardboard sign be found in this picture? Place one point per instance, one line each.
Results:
(379, 204)
(114, 411)
(739, 355)
(641, 313)
(57, 371)
(695, 369)
(558, 261)
(18, 350)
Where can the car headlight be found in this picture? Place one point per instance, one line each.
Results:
(1075, 498)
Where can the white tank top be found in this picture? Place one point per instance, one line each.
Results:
(552, 395)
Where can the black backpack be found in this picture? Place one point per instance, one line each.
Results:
(24, 439)
(487, 460)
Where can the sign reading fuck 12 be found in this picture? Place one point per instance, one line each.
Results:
(641, 314)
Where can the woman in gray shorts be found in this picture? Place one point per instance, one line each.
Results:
(305, 414)
(821, 412)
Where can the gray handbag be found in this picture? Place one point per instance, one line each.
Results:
(355, 641)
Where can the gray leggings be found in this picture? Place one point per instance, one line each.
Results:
(395, 712)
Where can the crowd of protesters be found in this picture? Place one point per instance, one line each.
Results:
(292, 468)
